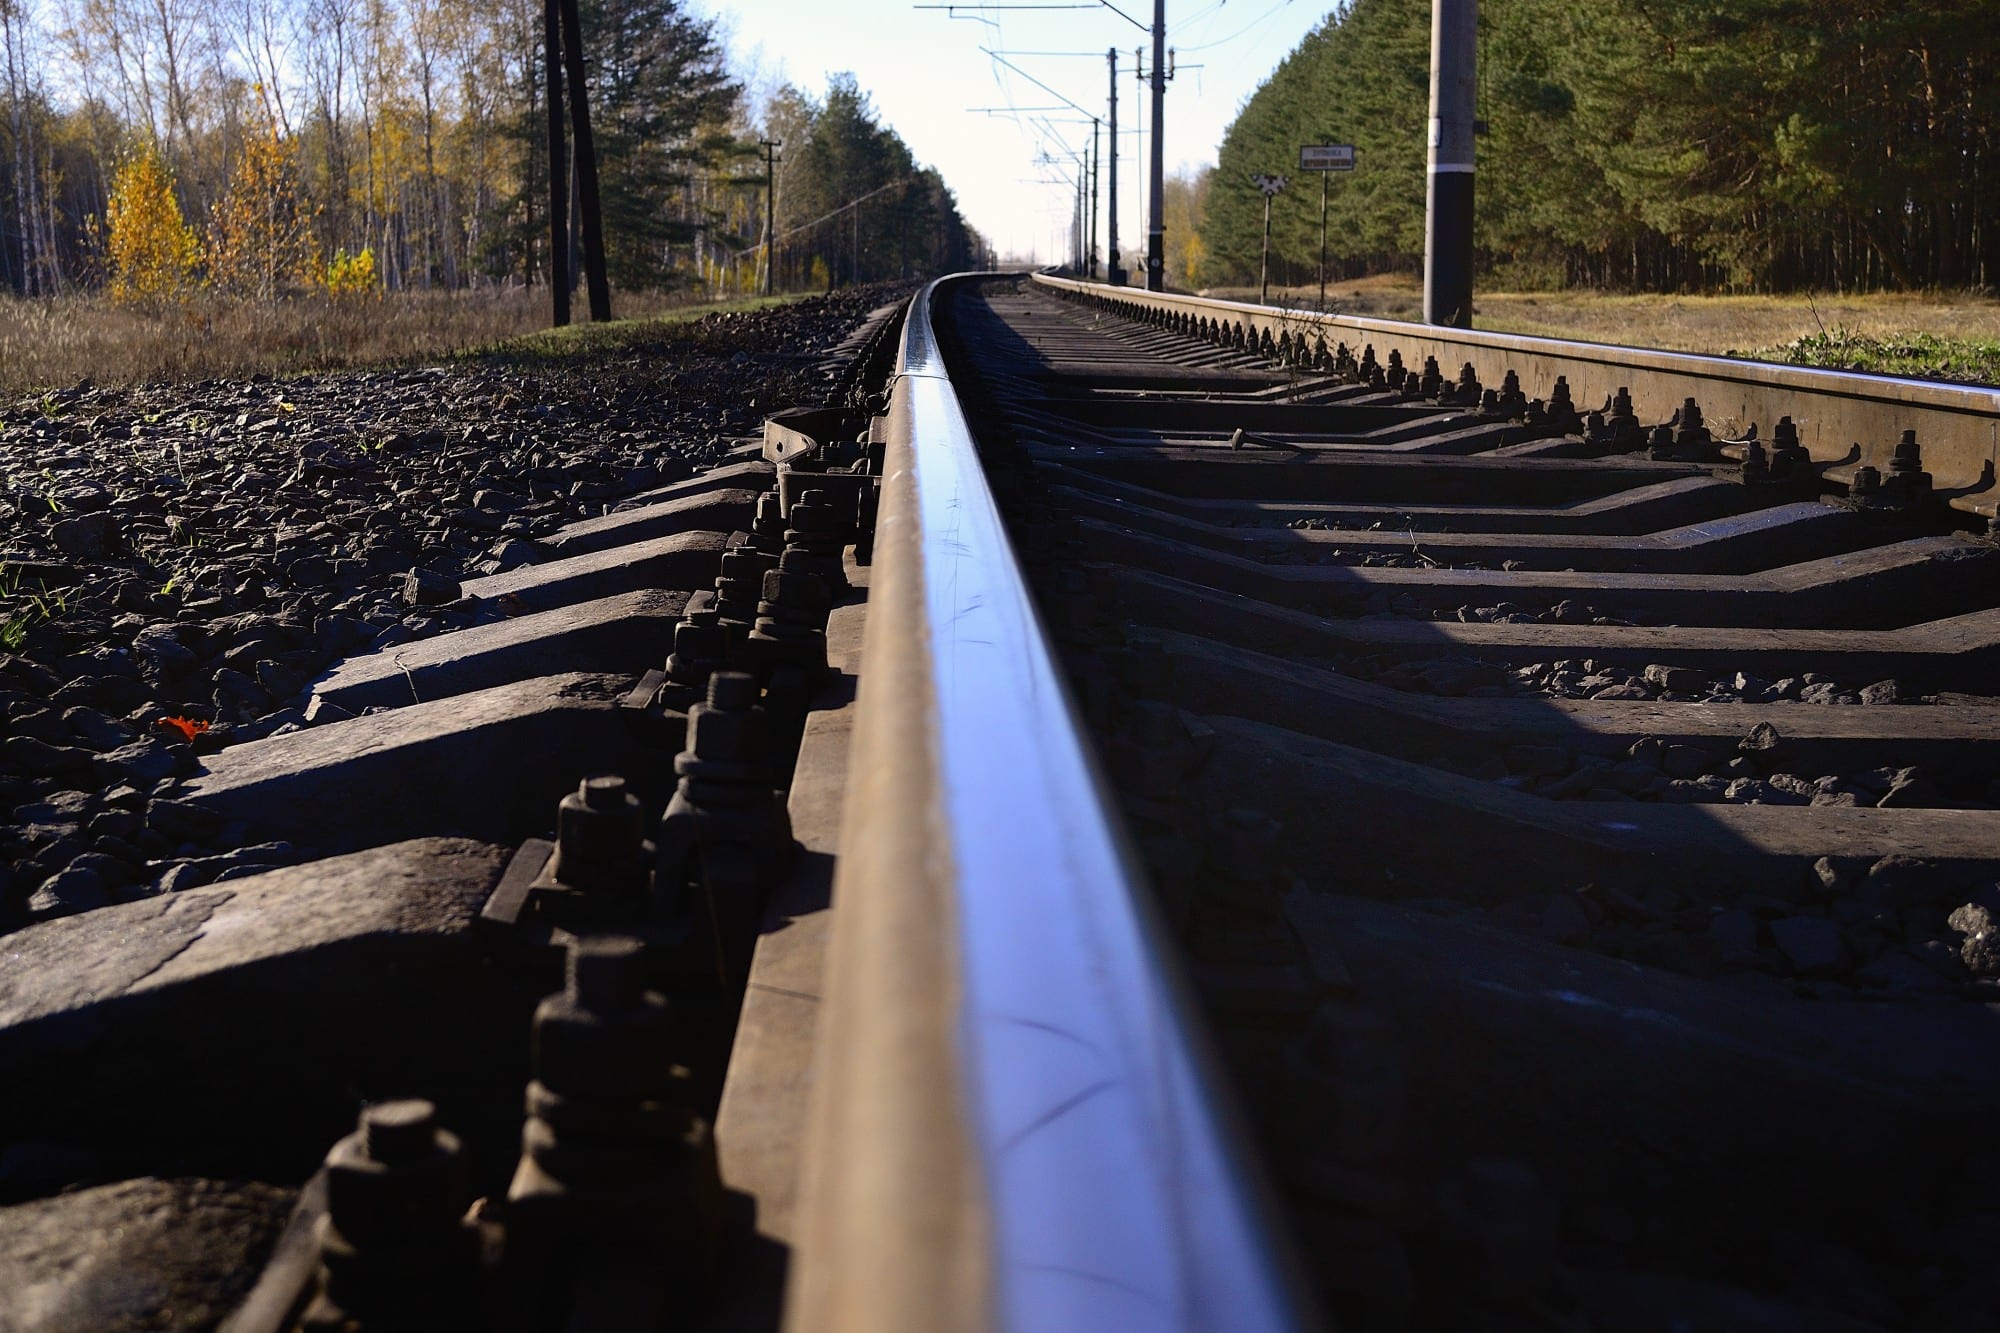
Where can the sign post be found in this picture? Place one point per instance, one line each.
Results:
(1324, 158)
(1270, 185)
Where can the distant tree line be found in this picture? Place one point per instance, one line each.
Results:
(285, 139)
(853, 205)
(1669, 144)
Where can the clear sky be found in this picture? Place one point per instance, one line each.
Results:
(925, 70)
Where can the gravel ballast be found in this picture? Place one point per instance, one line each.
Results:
(181, 561)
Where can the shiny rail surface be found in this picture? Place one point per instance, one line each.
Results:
(1014, 1127)
(1845, 419)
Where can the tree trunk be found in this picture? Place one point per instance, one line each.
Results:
(586, 164)
(1885, 252)
(558, 192)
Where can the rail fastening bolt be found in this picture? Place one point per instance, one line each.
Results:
(700, 646)
(732, 690)
(600, 828)
(1908, 457)
(606, 974)
(392, 1199)
(400, 1131)
(1756, 464)
(727, 728)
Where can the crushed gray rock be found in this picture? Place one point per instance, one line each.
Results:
(217, 545)
(138, 1256)
(1980, 951)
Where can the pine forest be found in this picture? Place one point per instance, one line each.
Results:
(1748, 145)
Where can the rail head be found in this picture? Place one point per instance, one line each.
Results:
(1014, 1125)
(1844, 418)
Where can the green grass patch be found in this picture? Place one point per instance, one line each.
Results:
(618, 337)
(1923, 355)
(21, 610)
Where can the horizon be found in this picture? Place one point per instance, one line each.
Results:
(1022, 206)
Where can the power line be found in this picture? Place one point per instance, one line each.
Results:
(1200, 14)
(1224, 41)
(854, 202)
(1142, 27)
(1032, 79)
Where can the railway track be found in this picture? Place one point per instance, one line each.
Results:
(1580, 825)
(1320, 834)
(266, 1102)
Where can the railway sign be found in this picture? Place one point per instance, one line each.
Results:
(1326, 157)
(1270, 185)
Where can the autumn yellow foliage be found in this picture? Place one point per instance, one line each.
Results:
(1185, 204)
(151, 250)
(260, 235)
(350, 275)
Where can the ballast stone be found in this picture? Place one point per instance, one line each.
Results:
(138, 1256)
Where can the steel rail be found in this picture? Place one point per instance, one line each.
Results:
(1013, 1125)
(1845, 418)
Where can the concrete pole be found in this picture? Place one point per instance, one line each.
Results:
(1076, 225)
(1448, 211)
(1112, 273)
(1156, 234)
(771, 146)
(1096, 161)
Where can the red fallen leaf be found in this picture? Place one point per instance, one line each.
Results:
(188, 727)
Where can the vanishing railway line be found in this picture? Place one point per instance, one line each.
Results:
(1137, 813)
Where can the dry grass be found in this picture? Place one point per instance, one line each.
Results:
(53, 344)
(1952, 334)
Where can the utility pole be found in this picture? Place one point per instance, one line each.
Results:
(1096, 161)
(1075, 262)
(552, 83)
(1112, 273)
(1448, 208)
(771, 147)
(1082, 214)
(1156, 234)
(1082, 200)
(586, 165)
